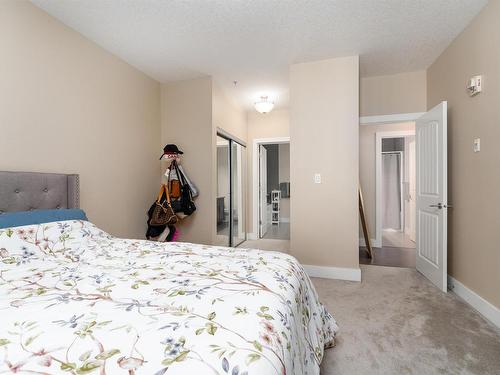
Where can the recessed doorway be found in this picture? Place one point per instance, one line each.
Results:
(395, 210)
(274, 191)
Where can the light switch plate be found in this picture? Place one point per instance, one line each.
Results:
(477, 144)
(317, 178)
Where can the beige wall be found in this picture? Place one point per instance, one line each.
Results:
(473, 178)
(391, 94)
(367, 165)
(270, 125)
(324, 124)
(187, 122)
(284, 176)
(284, 162)
(227, 115)
(68, 106)
(192, 111)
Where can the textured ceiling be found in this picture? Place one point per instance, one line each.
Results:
(254, 41)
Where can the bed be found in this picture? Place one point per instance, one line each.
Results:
(74, 299)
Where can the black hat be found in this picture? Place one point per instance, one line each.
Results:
(171, 149)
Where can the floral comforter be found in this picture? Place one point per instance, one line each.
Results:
(76, 300)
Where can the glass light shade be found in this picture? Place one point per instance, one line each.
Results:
(264, 105)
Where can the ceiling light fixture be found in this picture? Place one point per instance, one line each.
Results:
(264, 105)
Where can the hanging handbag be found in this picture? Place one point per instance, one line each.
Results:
(163, 214)
(192, 186)
(184, 205)
(187, 203)
(174, 185)
(153, 230)
(175, 189)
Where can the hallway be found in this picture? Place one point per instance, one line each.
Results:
(397, 250)
(393, 238)
(279, 231)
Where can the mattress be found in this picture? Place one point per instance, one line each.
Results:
(74, 299)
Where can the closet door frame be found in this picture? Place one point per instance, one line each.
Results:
(232, 140)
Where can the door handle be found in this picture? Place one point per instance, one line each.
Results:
(441, 206)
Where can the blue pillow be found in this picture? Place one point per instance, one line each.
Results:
(18, 219)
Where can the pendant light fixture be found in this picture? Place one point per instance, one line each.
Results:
(264, 105)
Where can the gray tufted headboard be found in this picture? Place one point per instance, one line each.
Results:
(25, 191)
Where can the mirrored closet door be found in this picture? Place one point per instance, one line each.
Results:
(230, 199)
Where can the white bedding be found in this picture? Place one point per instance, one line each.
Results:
(74, 299)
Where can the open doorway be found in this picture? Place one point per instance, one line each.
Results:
(398, 192)
(394, 192)
(274, 191)
(270, 194)
(426, 197)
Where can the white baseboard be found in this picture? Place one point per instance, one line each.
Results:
(375, 243)
(338, 273)
(486, 309)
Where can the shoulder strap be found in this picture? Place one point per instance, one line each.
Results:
(160, 194)
(180, 176)
(167, 193)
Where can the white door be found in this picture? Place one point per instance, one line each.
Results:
(262, 190)
(431, 194)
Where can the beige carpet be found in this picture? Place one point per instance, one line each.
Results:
(267, 244)
(396, 322)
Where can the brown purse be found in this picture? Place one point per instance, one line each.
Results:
(175, 189)
(163, 214)
(174, 185)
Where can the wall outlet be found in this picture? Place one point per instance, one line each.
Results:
(317, 178)
(477, 144)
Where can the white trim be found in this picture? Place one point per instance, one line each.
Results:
(485, 308)
(388, 119)
(374, 241)
(378, 177)
(337, 273)
(255, 175)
